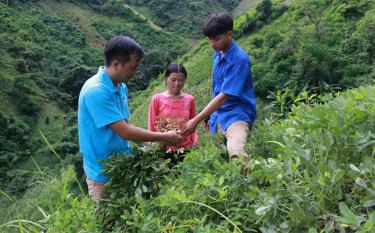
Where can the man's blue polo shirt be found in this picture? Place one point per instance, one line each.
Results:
(232, 75)
(100, 104)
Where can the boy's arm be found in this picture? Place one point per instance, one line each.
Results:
(214, 104)
(133, 133)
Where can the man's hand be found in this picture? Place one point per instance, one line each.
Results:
(172, 137)
(189, 127)
(130, 132)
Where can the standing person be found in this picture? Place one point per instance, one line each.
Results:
(103, 113)
(170, 110)
(232, 109)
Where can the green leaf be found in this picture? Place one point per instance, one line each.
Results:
(138, 191)
(221, 180)
(338, 175)
(348, 217)
(369, 203)
(361, 182)
(329, 226)
(263, 210)
(354, 168)
(371, 217)
(284, 225)
(321, 180)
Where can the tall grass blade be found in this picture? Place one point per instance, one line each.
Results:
(215, 210)
(19, 221)
(49, 145)
(6, 195)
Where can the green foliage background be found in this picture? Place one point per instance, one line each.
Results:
(313, 171)
(312, 145)
(182, 17)
(289, 51)
(49, 49)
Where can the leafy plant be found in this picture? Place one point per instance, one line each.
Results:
(138, 175)
(284, 100)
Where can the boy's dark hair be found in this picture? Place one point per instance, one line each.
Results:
(120, 48)
(175, 68)
(217, 23)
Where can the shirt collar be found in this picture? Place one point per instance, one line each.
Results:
(229, 52)
(106, 80)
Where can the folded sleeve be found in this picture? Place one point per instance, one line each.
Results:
(194, 136)
(101, 107)
(153, 112)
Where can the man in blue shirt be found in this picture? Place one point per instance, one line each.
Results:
(232, 110)
(103, 113)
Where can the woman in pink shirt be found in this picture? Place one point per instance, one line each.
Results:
(170, 110)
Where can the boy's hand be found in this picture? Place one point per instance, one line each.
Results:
(146, 143)
(189, 128)
(172, 137)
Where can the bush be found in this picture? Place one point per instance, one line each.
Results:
(317, 163)
(15, 147)
(26, 95)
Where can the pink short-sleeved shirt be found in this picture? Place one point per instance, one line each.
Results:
(167, 113)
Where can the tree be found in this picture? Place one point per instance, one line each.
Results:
(264, 10)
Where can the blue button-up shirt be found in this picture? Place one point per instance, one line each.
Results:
(232, 76)
(100, 104)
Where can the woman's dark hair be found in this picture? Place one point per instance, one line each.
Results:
(217, 23)
(120, 48)
(175, 68)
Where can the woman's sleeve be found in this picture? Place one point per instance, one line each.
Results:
(194, 135)
(153, 113)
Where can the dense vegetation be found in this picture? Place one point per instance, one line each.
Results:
(312, 172)
(312, 145)
(323, 45)
(47, 54)
(298, 51)
(182, 17)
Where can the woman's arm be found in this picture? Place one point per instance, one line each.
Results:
(153, 113)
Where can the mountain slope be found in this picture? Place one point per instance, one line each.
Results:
(312, 171)
(182, 17)
(291, 53)
(49, 49)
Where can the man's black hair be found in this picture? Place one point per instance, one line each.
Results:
(217, 23)
(175, 68)
(120, 48)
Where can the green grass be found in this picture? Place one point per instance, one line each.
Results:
(244, 7)
(77, 15)
(145, 16)
(49, 49)
(279, 51)
(49, 196)
(317, 162)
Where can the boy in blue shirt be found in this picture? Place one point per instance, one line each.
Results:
(232, 109)
(103, 113)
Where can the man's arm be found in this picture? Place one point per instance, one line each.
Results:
(133, 133)
(212, 106)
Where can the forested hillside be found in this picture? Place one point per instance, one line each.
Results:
(182, 17)
(298, 51)
(48, 49)
(312, 145)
